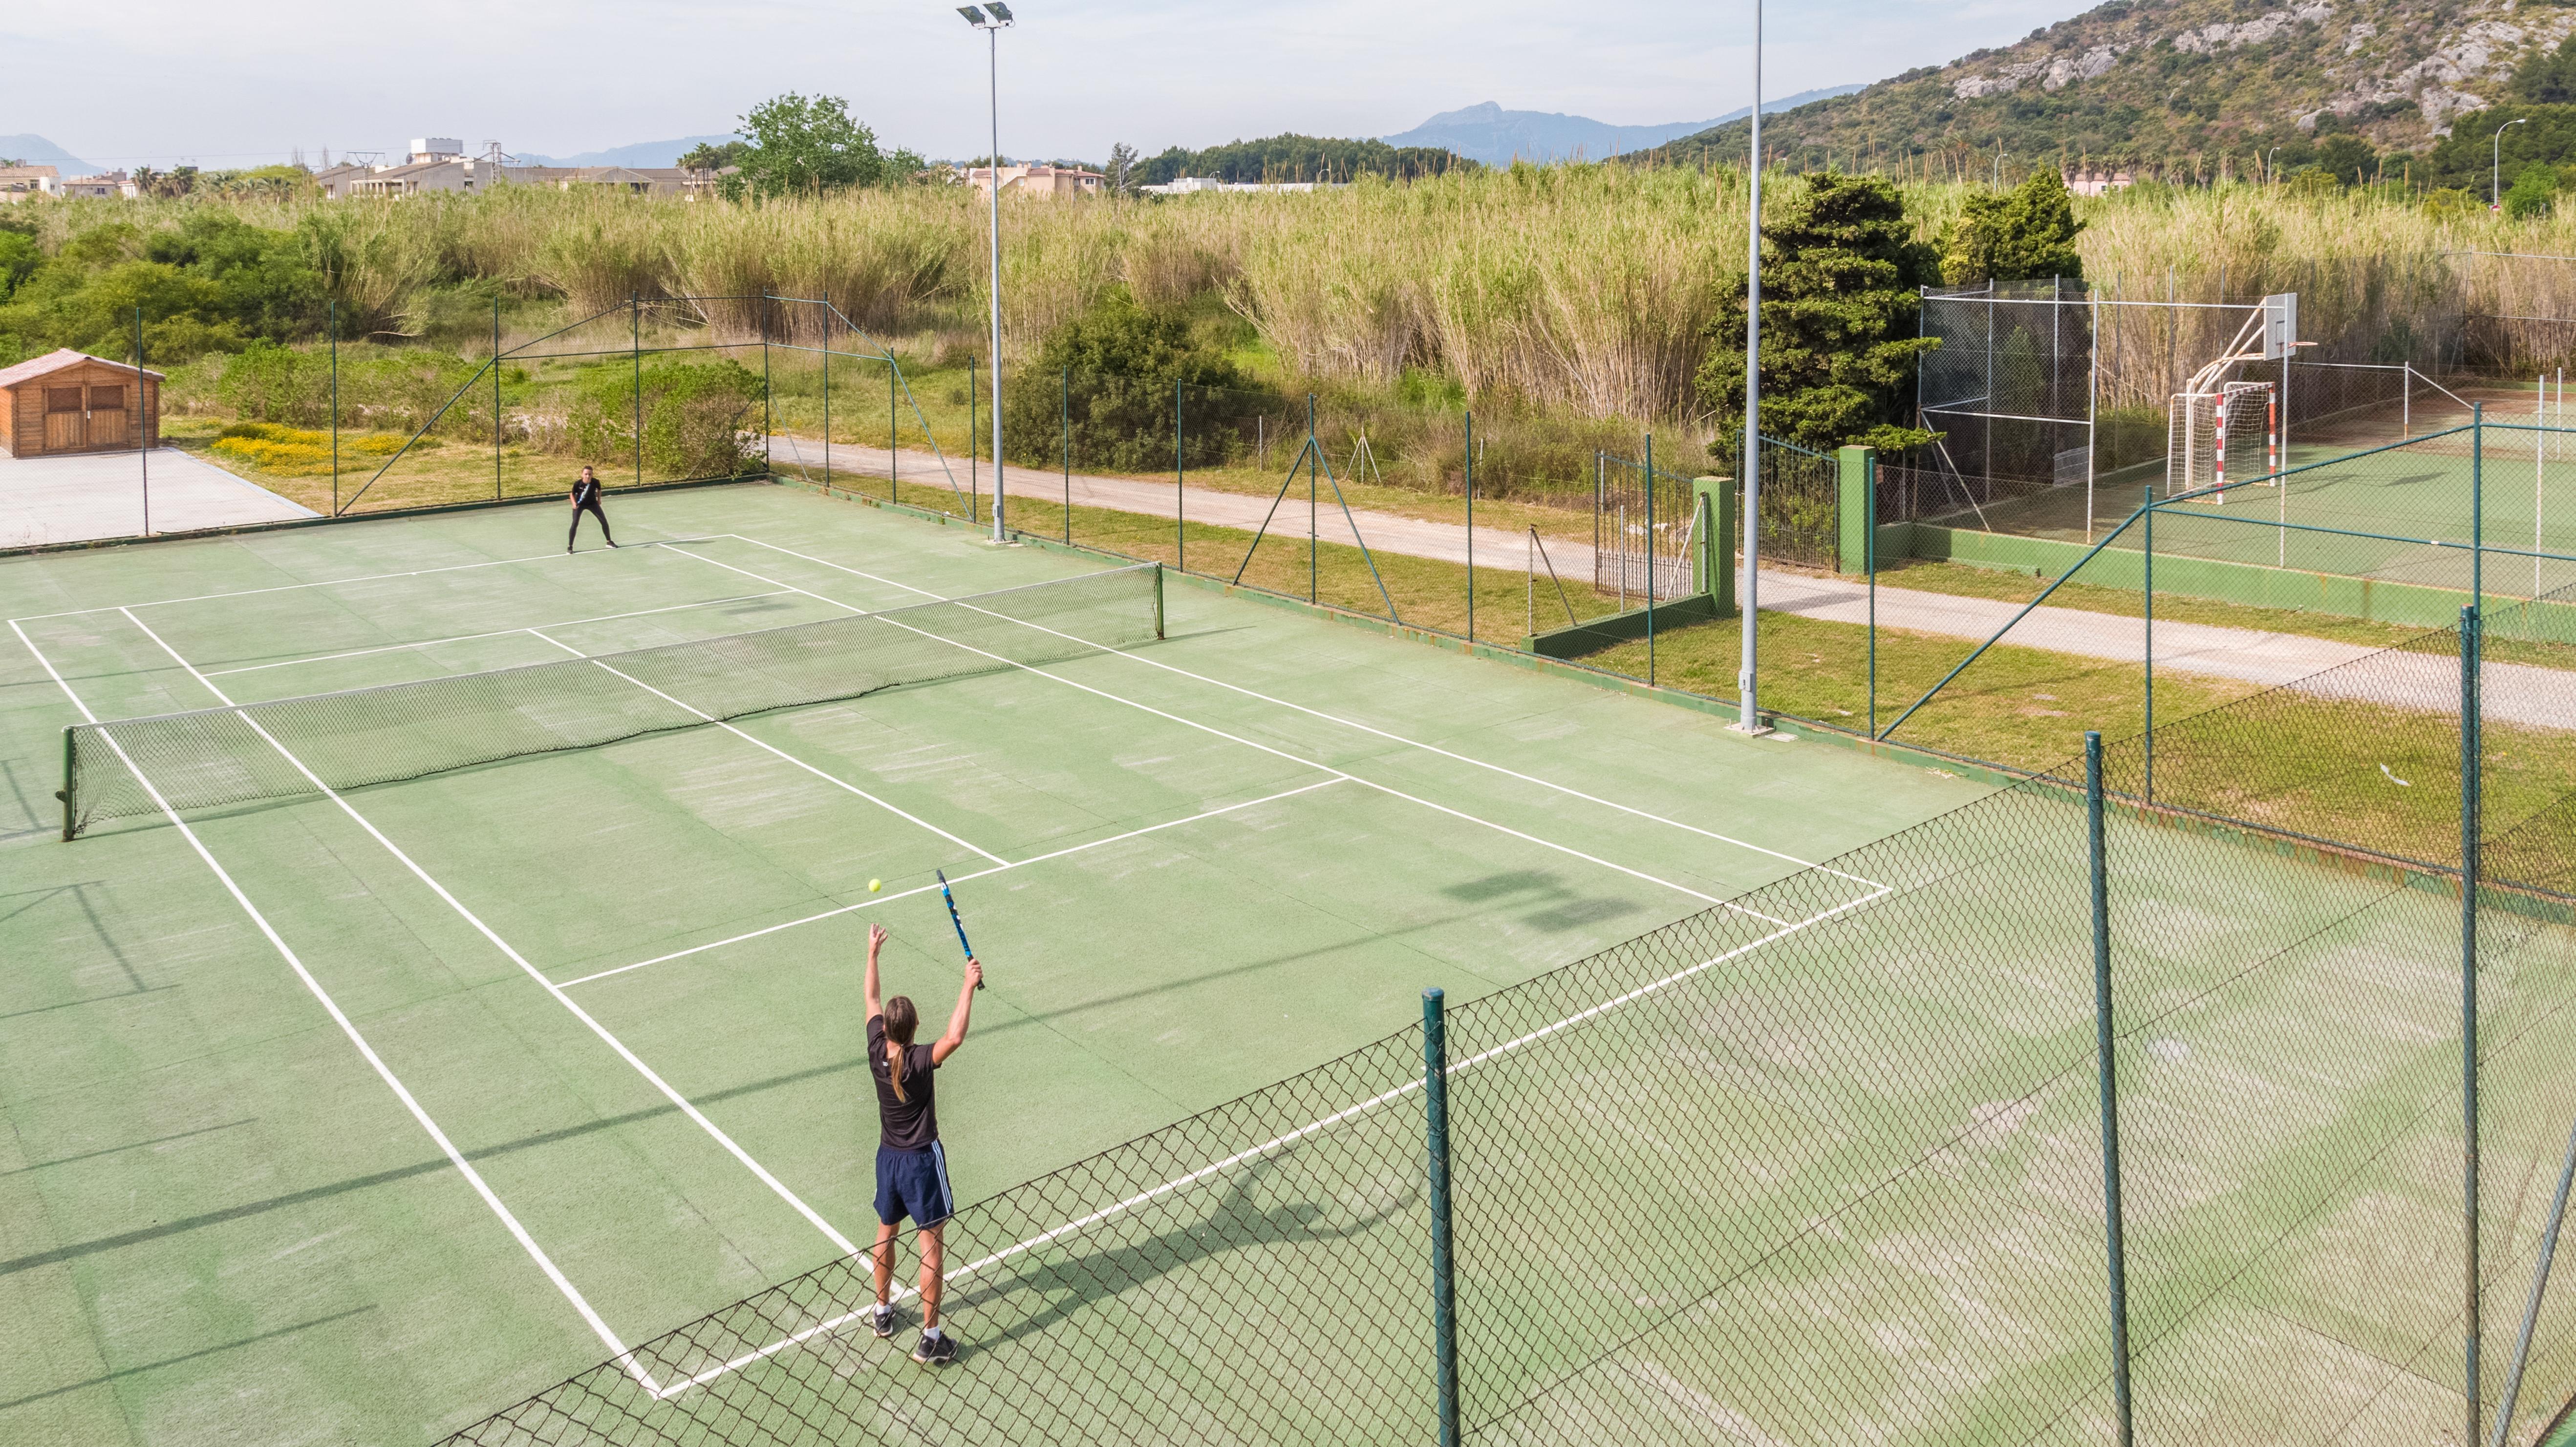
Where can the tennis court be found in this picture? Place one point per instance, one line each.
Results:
(2403, 514)
(355, 1112)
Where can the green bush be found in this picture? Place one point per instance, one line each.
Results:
(692, 412)
(1107, 380)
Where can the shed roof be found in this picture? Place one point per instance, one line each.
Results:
(55, 361)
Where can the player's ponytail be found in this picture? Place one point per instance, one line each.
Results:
(901, 1019)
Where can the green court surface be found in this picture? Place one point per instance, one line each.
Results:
(353, 1118)
(2400, 514)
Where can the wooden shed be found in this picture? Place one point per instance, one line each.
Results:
(70, 401)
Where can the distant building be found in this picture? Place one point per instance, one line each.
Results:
(439, 163)
(1044, 183)
(17, 183)
(2093, 181)
(108, 184)
(1192, 185)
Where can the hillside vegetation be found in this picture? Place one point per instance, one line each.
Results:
(2193, 89)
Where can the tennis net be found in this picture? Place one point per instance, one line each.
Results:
(284, 748)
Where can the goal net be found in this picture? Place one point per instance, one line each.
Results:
(2222, 438)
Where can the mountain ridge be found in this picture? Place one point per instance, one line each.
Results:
(2178, 86)
(37, 151)
(1486, 132)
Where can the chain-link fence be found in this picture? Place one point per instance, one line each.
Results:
(2029, 1123)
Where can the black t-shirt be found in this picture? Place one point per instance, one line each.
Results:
(585, 491)
(910, 1124)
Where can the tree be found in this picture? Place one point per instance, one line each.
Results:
(1840, 298)
(2019, 235)
(715, 155)
(1120, 173)
(1106, 381)
(800, 147)
(2548, 78)
(2532, 193)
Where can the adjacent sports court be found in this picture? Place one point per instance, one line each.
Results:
(376, 1062)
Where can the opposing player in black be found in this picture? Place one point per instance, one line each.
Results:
(585, 499)
(912, 1167)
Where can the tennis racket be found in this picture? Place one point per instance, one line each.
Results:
(953, 919)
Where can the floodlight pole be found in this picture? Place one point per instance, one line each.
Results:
(2495, 165)
(992, 26)
(1750, 718)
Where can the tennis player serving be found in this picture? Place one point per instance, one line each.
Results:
(585, 499)
(912, 1169)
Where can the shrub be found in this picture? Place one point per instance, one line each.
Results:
(692, 411)
(1110, 376)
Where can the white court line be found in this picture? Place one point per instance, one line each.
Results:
(617, 1349)
(344, 582)
(1387, 789)
(630, 1057)
(1268, 1147)
(832, 779)
(495, 633)
(961, 879)
(1350, 723)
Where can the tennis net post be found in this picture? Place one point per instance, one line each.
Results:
(1444, 1298)
(71, 753)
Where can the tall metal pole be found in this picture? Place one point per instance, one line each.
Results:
(2108, 1080)
(1750, 721)
(2147, 745)
(2471, 751)
(994, 95)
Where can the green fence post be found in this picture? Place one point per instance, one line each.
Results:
(2477, 522)
(1713, 571)
(894, 430)
(635, 326)
(2471, 751)
(827, 402)
(2147, 741)
(768, 397)
(496, 399)
(1444, 1300)
(1180, 473)
(973, 430)
(1064, 429)
(2107, 1075)
(335, 406)
(1869, 560)
(1650, 560)
(1469, 419)
(1856, 511)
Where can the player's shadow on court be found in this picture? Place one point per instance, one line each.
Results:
(1234, 1223)
(1556, 907)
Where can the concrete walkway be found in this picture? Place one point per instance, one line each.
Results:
(93, 495)
(2514, 692)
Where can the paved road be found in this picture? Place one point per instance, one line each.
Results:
(2514, 692)
(100, 495)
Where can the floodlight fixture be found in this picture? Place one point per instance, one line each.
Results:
(973, 15)
(1000, 11)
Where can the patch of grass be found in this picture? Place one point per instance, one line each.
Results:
(1961, 580)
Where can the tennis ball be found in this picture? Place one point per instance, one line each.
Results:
(874, 885)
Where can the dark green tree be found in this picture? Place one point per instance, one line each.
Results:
(1840, 298)
(800, 147)
(2532, 193)
(1106, 381)
(2025, 234)
(715, 155)
(2548, 78)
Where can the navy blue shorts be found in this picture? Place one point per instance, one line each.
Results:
(915, 1184)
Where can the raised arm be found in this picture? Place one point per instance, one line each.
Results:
(876, 942)
(947, 1044)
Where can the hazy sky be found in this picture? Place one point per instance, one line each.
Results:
(238, 83)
